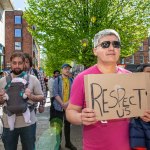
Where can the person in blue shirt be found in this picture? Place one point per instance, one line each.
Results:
(61, 89)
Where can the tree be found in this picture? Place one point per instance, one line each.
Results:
(65, 28)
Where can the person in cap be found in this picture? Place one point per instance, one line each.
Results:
(100, 135)
(61, 93)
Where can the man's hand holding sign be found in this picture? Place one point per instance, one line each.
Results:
(128, 98)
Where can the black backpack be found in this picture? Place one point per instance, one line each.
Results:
(16, 103)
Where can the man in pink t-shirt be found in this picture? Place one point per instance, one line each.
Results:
(100, 135)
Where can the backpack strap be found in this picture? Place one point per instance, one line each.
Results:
(26, 77)
(58, 79)
(35, 72)
(8, 81)
(30, 106)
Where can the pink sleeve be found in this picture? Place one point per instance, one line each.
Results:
(77, 95)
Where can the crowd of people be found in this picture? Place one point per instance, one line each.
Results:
(68, 103)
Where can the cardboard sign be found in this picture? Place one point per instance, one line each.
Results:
(118, 95)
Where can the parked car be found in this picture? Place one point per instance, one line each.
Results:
(132, 67)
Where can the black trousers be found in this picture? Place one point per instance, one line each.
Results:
(52, 109)
(60, 115)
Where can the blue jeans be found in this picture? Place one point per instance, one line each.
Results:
(27, 136)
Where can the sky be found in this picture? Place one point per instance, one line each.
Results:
(19, 4)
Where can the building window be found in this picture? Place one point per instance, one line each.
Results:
(17, 45)
(1, 49)
(141, 59)
(0, 15)
(141, 47)
(131, 59)
(17, 19)
(122, 61)
(17, 32)
(33, 27)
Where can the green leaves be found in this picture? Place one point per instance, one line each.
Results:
(65, 28)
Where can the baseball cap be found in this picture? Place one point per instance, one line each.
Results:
(65, 65)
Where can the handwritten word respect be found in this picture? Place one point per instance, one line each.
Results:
(117, 99)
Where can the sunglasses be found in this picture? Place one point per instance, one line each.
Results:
(106, 44)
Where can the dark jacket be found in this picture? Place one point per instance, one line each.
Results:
(139, 133)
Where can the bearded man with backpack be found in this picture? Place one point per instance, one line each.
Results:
(33, 94)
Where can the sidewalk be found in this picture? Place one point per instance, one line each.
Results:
(45, 139)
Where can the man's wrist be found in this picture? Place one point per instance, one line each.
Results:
(2, 100)
(62, 104)
(30, 96)
(81, 122)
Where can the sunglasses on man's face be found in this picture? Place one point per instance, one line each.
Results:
(106, 44)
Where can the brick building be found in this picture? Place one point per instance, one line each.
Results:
(17, 38)
(4, 5)
(142, 56)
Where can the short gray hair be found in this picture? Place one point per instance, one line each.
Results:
(103, 33)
